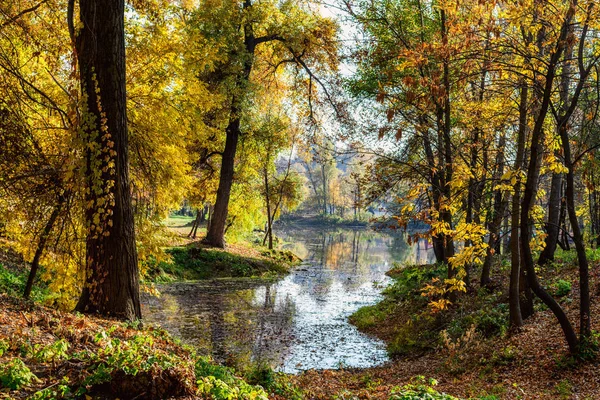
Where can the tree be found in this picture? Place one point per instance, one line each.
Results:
(259, 38)
(112, 282)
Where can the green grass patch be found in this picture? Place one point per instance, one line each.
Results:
(12, 283)
(197, 263)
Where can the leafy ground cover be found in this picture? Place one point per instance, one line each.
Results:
(47, 354)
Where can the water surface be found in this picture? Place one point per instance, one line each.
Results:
(299, 322)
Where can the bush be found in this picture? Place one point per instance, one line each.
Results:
(274, 382)
(13, 284)
(409, 280)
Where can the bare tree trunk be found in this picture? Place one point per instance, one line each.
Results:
(516, 318)
(216, 234)
(552, 224)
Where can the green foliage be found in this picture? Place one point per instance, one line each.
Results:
(562, 288)
(564, 389)
(417, 334)
(220, 383)
(4, 346)
(194, 263)
(274, 382)
(15, 374)
(589, 346)
(52, 352)
(418, 331)
(409, 280)
(132, 356)
(12, 282)
(62, 390)
(419, 389)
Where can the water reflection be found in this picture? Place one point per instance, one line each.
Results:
(299, 322)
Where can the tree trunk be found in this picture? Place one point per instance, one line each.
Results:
(216, 234)
(499, 208)
(112, 282)
(531, 185)
(515, 316)
(552, 224)
(35, 264)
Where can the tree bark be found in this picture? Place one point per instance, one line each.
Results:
(552, 225)
(112, 282)
(515, 316)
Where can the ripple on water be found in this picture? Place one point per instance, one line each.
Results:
(298, 323)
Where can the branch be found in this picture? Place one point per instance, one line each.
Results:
(19, 15)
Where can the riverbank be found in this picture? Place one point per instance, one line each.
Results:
(468, 349)
(190, 260)
(320, 221)
(47, 354)
(196, 261)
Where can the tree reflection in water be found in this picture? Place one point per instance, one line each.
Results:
(299, 322)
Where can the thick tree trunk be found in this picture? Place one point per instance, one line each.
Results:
(112, 283)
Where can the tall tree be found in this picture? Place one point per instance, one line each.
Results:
(112, 281)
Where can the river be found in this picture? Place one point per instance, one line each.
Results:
(299, 322)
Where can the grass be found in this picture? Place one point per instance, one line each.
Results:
(197, 262)
(405, 322)
(13, 280)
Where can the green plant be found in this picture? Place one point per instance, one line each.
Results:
(220, 383)
(15, 374)
(52, 352)
(4, 346)
(562, 288)
(13, 284)
(589, 346)
(273, 382)
(419, 389)
(564, 389)
(59, 391)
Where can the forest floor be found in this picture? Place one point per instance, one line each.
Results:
(468, 349)
(47, 354)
